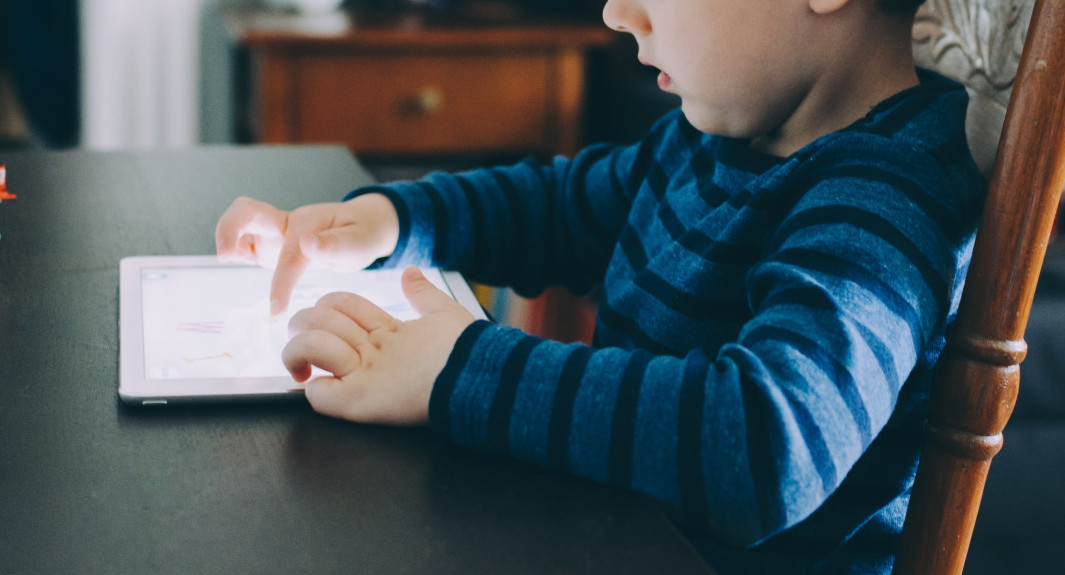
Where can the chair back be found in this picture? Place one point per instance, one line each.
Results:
(979, 43)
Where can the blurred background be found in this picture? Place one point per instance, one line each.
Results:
(117, 74)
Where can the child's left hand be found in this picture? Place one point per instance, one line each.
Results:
(383, 369)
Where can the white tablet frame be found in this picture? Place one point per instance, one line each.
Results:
(136, 388)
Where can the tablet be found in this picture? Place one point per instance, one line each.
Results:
(194, 329)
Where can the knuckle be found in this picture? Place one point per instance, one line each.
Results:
(289, 255)
(338, 299)
(301, 320)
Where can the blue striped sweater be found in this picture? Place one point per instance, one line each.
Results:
(766, 329)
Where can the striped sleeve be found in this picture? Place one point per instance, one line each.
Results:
(527, 226)
(748, 439)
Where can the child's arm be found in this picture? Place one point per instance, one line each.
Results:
(349, 235)
(526, 226)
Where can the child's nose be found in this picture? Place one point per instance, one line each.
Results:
(626, 16)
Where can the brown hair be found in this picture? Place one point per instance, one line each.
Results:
(906, 7)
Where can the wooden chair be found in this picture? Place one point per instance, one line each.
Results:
(978, 376)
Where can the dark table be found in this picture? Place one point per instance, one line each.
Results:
(88, 485)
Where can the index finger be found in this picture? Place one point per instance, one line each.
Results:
(291, 263)
(360, 310)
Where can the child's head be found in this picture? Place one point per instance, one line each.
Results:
(755, 68)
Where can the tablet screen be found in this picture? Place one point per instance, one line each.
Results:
(214, 321)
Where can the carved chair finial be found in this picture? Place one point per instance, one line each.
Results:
(976, 42)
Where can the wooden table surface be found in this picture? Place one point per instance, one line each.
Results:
(88, 485)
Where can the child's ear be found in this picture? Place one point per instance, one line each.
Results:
(827, 6)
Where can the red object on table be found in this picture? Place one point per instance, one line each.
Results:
(4, 195)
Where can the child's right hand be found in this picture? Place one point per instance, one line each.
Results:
(342, 235)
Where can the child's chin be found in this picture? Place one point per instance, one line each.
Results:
(705, 122)
(719, 124)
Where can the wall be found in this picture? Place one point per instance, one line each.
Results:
(140, 71)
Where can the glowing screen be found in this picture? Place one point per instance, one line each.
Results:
(209, 322)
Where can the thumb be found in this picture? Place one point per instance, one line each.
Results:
(326, 395)
(423, 296)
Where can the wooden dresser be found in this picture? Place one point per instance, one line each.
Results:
(417, 84)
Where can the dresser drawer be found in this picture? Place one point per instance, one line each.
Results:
(424, 104)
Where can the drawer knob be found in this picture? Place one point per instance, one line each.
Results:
(428, 100)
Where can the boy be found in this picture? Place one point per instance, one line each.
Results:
(776, 263)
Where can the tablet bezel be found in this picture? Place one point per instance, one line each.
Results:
(136, 388)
